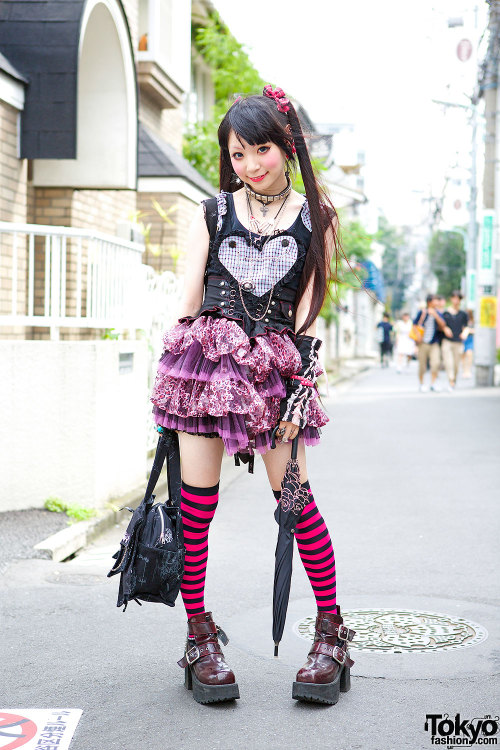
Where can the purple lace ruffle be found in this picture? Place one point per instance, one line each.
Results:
(213, 380)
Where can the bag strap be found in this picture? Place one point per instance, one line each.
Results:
(167, 448)
(422, 317)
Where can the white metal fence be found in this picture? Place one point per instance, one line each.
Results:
(64, 277)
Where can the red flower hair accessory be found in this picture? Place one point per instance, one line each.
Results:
(279, 97)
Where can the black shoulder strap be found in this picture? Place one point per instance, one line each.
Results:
(167, 448)
(211, 216)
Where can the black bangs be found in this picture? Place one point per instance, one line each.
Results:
(256, 120)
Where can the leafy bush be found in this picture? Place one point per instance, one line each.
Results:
(76, 512)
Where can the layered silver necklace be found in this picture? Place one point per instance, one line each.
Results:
(265, 200)
(266, 228)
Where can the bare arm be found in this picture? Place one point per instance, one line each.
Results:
(196, 261)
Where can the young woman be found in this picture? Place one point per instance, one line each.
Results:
(405, 346)
(243, 359)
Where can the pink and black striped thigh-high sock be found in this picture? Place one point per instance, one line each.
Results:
(198, 506)
(316, 552)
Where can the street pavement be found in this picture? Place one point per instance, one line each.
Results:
(409, 486)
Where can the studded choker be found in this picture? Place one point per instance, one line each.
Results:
(265, 199)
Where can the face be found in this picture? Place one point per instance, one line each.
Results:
(455, 300)
(406, 317)
(261, 166)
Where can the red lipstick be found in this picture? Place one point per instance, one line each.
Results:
(258, 179)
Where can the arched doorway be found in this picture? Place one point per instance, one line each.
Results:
(106, 125)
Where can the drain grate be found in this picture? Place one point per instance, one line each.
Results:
(398, 631)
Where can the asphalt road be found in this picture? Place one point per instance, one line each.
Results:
(409, 486)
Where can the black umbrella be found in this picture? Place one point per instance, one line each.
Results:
(293, 500)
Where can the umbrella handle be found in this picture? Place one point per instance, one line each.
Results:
(273, 437)
(295, 442)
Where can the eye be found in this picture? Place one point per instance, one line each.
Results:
(263, 149)
(236, 155)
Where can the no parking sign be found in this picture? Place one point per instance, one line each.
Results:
(38, 729)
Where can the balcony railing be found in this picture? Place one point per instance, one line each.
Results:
(65, 277)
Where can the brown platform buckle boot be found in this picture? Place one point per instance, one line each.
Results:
(206, 672)
(327, 671)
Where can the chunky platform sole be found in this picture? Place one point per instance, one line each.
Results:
(209, 693)
(328, 692)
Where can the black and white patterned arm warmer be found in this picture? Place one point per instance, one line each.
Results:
(300, 390)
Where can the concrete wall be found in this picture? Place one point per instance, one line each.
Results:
(73, 426)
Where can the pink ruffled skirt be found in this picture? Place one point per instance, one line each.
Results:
(214, 380)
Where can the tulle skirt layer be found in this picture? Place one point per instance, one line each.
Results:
(213, 380)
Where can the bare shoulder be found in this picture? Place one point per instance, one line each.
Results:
(198, 237)
(198, 219)
(297, 200)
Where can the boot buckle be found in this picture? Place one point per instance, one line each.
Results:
(339, 655)
(192, 655)
(344, 633)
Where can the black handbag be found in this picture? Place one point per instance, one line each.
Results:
(150, 560)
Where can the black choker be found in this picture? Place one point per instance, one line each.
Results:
(265, 199)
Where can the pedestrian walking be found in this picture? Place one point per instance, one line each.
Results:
(429, 351)
(441, 303)
(384, 335)
(243, 359)
(468, 352)
(405, 346)
(453, 346)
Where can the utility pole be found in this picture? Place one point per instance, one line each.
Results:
(471, 248)
(486, 307)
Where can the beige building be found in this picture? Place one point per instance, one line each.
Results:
(94, 95)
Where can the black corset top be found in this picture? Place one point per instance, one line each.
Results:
(248, 276)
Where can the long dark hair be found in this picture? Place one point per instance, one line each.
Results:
(257, 120)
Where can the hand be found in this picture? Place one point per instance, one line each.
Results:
(291, 431)
(448, 332)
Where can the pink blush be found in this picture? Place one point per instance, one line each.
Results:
(271, 160)
(237, 166)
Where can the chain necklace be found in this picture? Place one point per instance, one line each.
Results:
(248, 284)
(263, 230)
(264, 199)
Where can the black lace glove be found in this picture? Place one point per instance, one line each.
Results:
(300, 389)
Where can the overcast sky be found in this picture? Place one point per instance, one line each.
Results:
(377, 65)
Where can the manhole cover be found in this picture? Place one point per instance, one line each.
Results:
(399, 631)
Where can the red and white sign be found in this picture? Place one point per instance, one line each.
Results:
(38, 729)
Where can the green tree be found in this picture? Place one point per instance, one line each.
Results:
(348, 273)
(393, 242)
(447, 260)
(231, 72)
